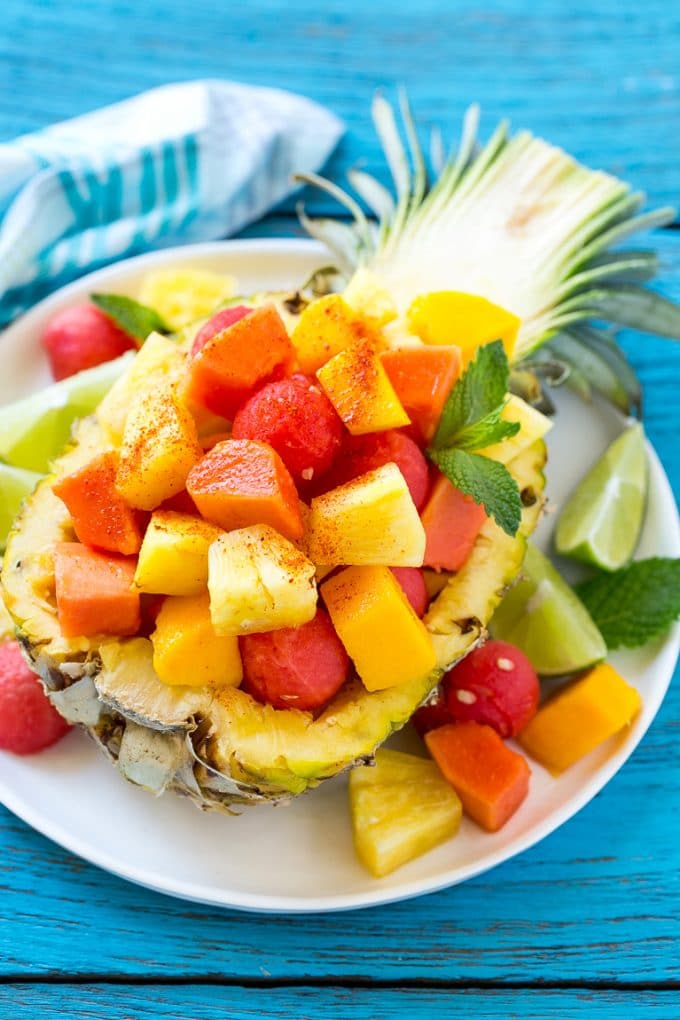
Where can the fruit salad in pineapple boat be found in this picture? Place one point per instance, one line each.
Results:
(290, 515)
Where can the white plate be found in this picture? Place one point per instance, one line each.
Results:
(72, 795)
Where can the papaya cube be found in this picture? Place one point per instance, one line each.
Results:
(93, 592)
(259, 581)
(381, 633)
(186, 649)
(242, 482)
(532, 426)
(99, 514)
(401, 807)
(367, 295)
(422, 378)
(369, 520)
(490, 778)
(580, 718)
(326, 327)
(158, 361)
(452, 522)
(173, 559)
(250, 352)
(160, 446)
(466, 320)
(357, 385)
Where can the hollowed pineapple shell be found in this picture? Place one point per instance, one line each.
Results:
(220, 747)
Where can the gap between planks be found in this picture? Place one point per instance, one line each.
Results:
(414, 984)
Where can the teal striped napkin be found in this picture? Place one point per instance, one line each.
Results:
(188, 162)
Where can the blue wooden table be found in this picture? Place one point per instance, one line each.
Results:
(585, 924)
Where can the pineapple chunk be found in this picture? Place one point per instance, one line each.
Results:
(533, 426)
(466, 320)
(370, 520)
(378, 627)
(186, 650)
(183, 295)
(173, 559)
(401, 808)
(160, 447)
(259, 581)
(326, 327)
(359, 388)
(370, 298)
(159, 360)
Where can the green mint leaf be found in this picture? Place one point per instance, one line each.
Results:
(486, 431)
(486, 481)
(633, 605)
(478, 393)
(132, 317)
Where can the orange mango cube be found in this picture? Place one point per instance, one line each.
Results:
(326, 327)
(356, 383)
(466, 320)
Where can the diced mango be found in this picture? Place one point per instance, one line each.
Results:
(160, 447)
(326, 327)
(532, 426)
(466, 320)
(378, 627)
(259, 581)
(356, 383)
(159, 361)
(401, 807)
(370, 520)
(186, 650)
(173, 559)
(370, 299)
(580, 718)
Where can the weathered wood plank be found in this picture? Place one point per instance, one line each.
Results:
(601, 80)
(158, 1002)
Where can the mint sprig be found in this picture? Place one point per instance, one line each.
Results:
(635, 604)
(133, 318)
(471, 420)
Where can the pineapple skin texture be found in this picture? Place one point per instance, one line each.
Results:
(253, 752)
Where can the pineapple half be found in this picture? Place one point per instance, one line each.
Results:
(220, 747)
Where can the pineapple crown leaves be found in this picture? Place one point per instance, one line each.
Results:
(471, 420)
(515, 220)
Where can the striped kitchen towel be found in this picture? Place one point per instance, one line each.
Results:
(188, 162)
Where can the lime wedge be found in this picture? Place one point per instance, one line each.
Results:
(15, 485)
(547, 620)
(601, 521)
(35, 429)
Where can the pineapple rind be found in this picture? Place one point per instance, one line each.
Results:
(234, 751)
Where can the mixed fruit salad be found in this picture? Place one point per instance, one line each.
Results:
(249, 538)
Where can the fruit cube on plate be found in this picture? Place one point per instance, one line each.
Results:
(370, 520)
(186, 649)
(259, 581)
(401, 807)
(358, 387)
(160, 447)
(423, 378)
(93, 592)
(452, 522)
(466, 320)
(325, 328)
(183, 295)
(173, 559)
(378, 627)
(580, 718)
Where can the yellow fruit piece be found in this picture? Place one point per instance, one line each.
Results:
(186, 650)
(359, 389)
(401, 807)
(533, 425)
(326, 327)
(182, 295)
(370, 520)
(467, 320)
(387, 642)
(259, 581)
(370, 299)
(160, 447)
(159, 361)
(173, 559)
(580, 718)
